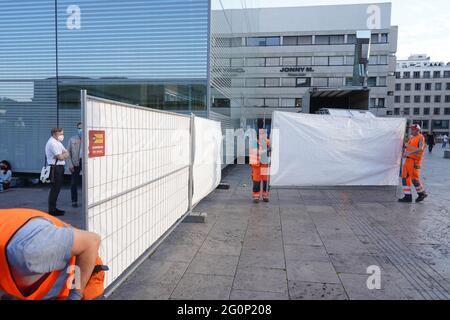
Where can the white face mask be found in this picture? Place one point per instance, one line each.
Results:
(61, 138)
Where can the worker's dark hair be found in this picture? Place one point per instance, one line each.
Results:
(56, 130)
(78, 124)
(7, 164)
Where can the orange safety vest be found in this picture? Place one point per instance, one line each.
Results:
(255, 153)
(11, 220)
(417, 142)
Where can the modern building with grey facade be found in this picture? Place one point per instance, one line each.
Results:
(422, 93)
(190, 56)
(276, 54)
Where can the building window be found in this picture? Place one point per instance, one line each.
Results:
(272, 62)
(288, 82)
(372, 102)
(440, 124)
(427, 99)
(381, 103)
(374, 38)
(321, 61)
(383, 60)
(287, 103)
(372, 81)
(304, 61)
(289, 61)
(298, 102)
(438, 86)
(417, 99)
(425, 124)
(351, 38)
(237, 62)
(447, 87)
(416, 111)
(255, 102)
(335, 82)
(263, 41)
(221, 103)
(437, 99)
(320, 82)
(337, 61)
(349, 60)
(337, 39)
(398, 75)
(271, 102)
(406, 75)
(255, 62)
(398, 87)
(272, 82)
(296, 41)
(446, 74)
(437, 111)
(407, 99)
(447, 111)
(416, 75)
(382, 81)
(228, 42)
(418, 86)
(426, 111)
(304, 40)
(407, 86)
(406, 111)
(349, 81)
(436, 74)
(396, 111)
(447, 99)
(397, 99)
(322, 40)
(427, 86)
(254, 82)
(290, 41)
(426, 74)
(373, 60)
(384, 38)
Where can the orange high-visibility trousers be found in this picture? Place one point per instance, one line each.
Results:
(260, 173)
(411, 176)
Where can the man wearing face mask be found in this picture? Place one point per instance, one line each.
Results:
(56, 155)
(74, 163)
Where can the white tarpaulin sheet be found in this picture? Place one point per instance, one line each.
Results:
(323, 150)
(207, 169)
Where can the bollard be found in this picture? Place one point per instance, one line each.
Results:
(195, 217)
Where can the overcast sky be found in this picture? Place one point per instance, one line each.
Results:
(424, 26)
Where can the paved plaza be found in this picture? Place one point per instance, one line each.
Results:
(304, 244)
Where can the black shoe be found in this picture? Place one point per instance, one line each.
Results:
(255, 200)
(406, 199)
(60, 211)
(266, 199)
(55, 213)
(74, 205)
(422, 196)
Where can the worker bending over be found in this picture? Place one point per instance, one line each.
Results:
(259, 161)
(414, 152)
(41, 258)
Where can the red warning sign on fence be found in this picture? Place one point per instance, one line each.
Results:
(96, 143)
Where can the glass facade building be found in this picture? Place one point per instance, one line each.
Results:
(152, 53)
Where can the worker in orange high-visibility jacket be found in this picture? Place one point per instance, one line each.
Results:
(260, 161)
(42, 258)
(414, 153)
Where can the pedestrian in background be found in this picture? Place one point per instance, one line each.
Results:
(431, 141)
(444, 141)
(75, 149)
(56, 155)
(5, 175)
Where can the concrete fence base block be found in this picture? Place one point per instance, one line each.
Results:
(447, 154)
(223, 186)
(196, 217)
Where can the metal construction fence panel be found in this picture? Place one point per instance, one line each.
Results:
(139, 177)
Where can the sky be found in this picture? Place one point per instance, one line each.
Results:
(424, 26)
